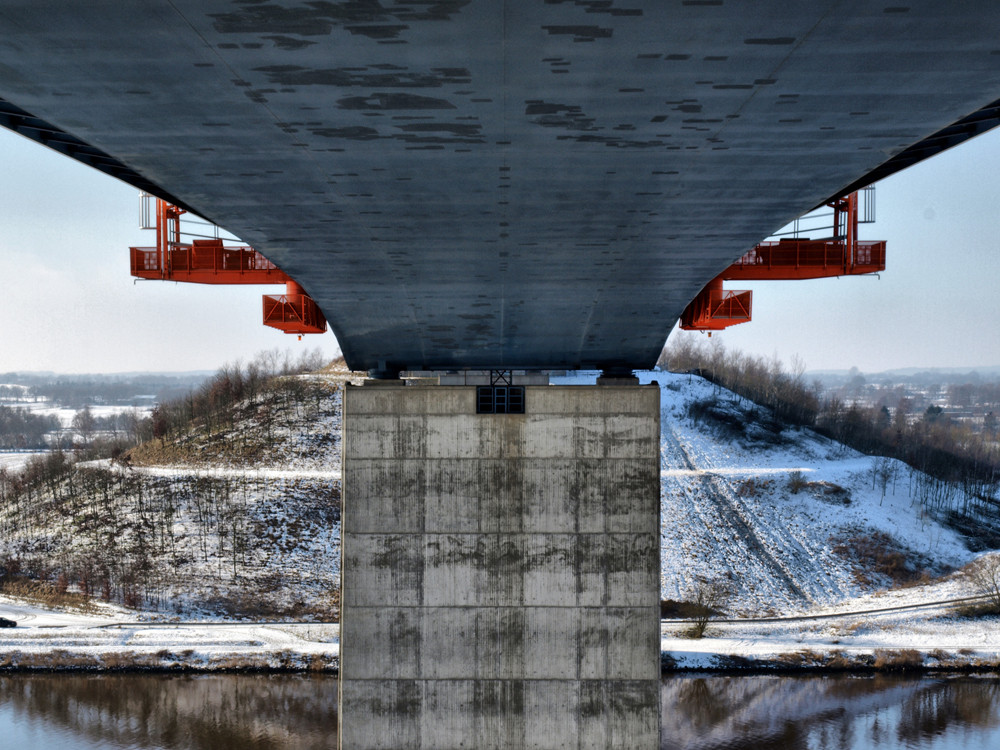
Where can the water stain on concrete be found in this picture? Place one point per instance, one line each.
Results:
(380, 76)
(599, 6)
(393, 101)
(551, 115)
(580, 33)
(288, 43)
(373, 19)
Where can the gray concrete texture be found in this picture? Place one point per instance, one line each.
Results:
(500, 572)
(486, 184)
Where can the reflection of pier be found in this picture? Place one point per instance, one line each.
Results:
(828, 711)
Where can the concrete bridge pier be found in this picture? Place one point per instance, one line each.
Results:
(500, 572)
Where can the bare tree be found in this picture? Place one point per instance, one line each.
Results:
(884, 470)
(84, 424)
(985, 576)
(708, 599)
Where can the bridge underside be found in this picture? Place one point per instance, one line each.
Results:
(496, 184)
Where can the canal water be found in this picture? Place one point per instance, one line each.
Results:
(248, 712)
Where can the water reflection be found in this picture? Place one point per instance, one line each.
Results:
(247, 712)
(842, 712)
(222, 712)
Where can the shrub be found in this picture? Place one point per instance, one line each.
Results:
(985, 576)
(708, 599)
(753, 487)
(44, 593)
(877, 552)
(898, 660)
(796, 482)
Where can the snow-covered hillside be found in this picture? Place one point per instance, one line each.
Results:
(220, 533)
(784, 519)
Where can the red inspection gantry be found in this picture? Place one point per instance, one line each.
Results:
(716, 308)
(210, 261)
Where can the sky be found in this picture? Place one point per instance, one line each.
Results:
(937, 303)
(69, 305)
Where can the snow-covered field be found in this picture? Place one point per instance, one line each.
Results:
(940, 638)
(767, 513)
(65, 414)
(114, 637)
(14, 460)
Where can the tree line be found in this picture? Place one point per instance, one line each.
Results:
(76, 391)
(22, 429)
(964, 462)
(211, 405)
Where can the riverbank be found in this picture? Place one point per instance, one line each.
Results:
(927, 627)
(750, 653)
(110, 638)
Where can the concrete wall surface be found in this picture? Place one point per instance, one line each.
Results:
(500, 572)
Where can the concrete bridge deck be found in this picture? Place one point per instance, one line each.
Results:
(476, 183)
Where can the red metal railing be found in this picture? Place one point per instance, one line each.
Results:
(807, 259)
(716, 308)
(730, 305)
(206, 262)
(145, 262)
(791, 258)
(293, 313)
(209, 261)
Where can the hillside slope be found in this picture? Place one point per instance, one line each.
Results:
(242, 518)
(781, 518)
